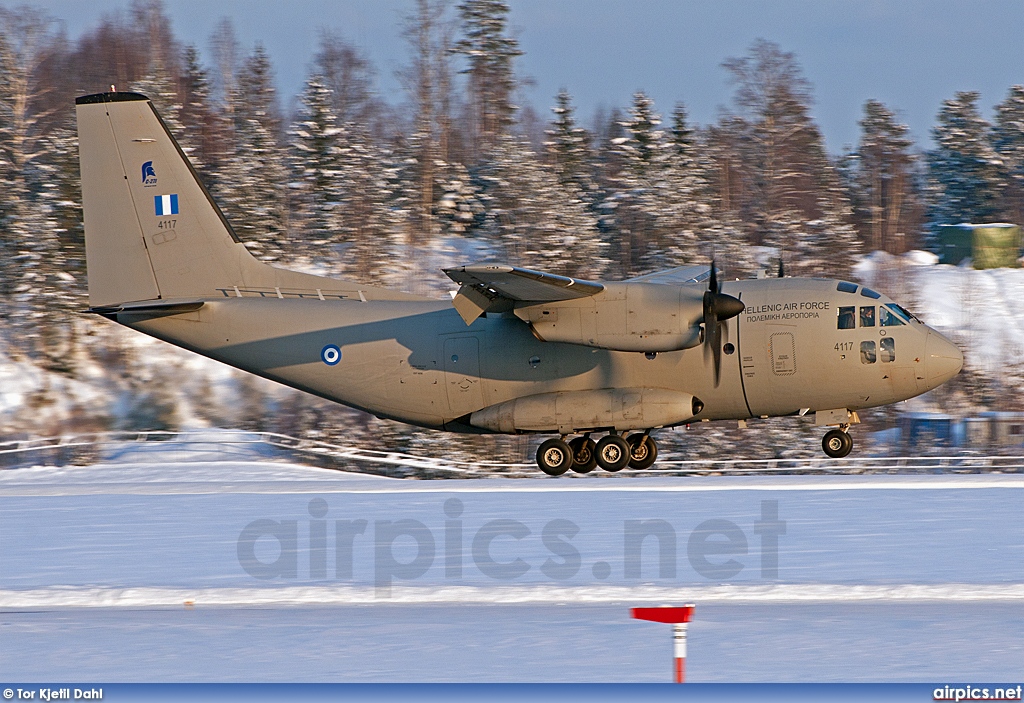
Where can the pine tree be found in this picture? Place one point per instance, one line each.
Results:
(370, 229)
(779, 142)
(316, 142)
(349, 75)
(490, 52)
(782, 184)
(886, 205)
(1008, 142)
(428, 82)
(632, 206)
(199, 123)
(964, 176)
(458, 210)
(532, 219)
(568, 147)
(53, 281)
(8, 180)
(30, 259)
(252, 183)
(685, 210)
(159, 79)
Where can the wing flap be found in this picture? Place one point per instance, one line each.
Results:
(497, 287)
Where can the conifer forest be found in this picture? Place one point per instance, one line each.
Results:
(339, 181)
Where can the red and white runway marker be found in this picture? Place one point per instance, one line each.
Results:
(678, 617)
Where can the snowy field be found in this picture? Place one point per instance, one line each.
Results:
(243, 570)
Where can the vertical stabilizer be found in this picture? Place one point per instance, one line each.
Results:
(152, 231)
(116, 255)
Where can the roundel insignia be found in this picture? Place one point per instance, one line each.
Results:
(330, 354)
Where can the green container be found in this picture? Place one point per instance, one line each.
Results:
(989, 246)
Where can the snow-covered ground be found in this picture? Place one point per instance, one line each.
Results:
(235, 571)
(561, 642)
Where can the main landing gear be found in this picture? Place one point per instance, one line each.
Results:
(612, 453)
(838, 443)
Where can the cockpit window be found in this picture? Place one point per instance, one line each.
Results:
(847, 318)
(867, 316)
(889, 318)
(845, 287)
(900, 312)
(868, 293)
(906, 312)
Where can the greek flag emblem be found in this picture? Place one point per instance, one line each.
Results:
(166, 204)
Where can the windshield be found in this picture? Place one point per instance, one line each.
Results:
(901, 312)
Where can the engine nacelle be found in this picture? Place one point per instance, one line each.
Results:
(641, 317)
(580, 411)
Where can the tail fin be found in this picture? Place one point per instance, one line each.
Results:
(152, 231)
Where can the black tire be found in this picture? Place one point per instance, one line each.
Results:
(849, 442)
(612, 453)
(554, 457)
(643, 452)
(837, 443)
(584, 455)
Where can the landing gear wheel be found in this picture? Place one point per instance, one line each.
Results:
(584, 455)
(837, 443)
(612, 453)
(643, 452)
(554, 457)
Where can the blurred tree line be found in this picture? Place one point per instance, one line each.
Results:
(341, 182)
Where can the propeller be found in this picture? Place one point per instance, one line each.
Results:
(718, 307)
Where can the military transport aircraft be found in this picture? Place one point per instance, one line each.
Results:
(515, 351)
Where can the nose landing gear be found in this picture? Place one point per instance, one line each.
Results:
(837, 443)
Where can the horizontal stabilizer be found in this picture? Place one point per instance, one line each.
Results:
(157, 307)
(496, 287)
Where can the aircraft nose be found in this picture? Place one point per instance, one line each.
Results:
(943, 359)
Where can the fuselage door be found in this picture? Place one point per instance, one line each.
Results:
(770, 367)
(783, 351)
(462, 375)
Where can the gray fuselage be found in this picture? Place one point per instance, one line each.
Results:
(418, 362)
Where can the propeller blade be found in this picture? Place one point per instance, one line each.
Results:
(712, 332)
(716, 350)
(718, 307)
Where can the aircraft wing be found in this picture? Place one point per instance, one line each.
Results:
(678, 276)
(497, 287)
